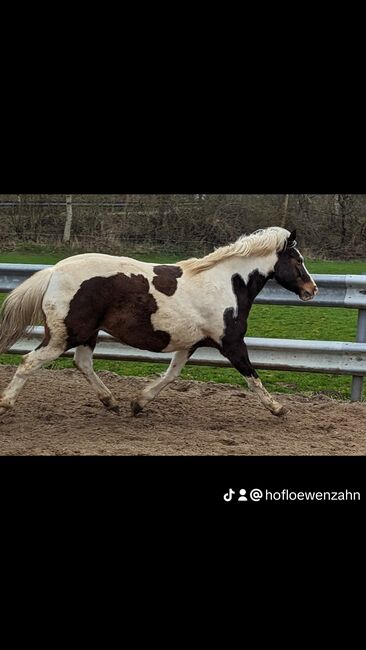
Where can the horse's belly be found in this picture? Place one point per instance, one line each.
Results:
(137, 330)
(148, 339)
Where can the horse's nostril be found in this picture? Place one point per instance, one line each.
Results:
(307, 295)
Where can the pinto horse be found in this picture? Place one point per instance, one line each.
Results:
(157, 307)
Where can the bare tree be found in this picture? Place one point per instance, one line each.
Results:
(331, 225)
(345, 204)
(68, 222)
(284, 211)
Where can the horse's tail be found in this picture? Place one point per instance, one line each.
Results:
(23, 308)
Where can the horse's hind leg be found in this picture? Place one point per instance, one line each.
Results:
(48, 351)
(83, 360)
(178, 361)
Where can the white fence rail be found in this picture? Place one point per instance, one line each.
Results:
(281, 354)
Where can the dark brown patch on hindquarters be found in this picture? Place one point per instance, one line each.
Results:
(166, 278)
(119, 304)
(47, 335)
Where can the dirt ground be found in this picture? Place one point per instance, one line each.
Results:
(57, 414)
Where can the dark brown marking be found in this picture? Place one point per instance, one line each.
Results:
(233, 346)
(120, 305)
(47, 337)
(207, 342)
(236, 325)
(166, 278)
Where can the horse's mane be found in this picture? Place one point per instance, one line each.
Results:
(260, 242)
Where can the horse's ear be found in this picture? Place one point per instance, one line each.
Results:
(292, 237)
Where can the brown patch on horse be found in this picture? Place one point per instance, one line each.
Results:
(166, 278)
(207, 342)
(47, 337)
(120, 305)
(236, 321)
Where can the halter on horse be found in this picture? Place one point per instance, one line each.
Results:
(161, 308)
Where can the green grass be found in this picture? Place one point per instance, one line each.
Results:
(36, 253)
(35, 256)
(265, 321)
(337, 267)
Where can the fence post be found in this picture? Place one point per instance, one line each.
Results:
(357, 382)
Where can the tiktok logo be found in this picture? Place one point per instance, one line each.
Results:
(229, 495)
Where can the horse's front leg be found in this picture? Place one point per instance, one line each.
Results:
(237, 353)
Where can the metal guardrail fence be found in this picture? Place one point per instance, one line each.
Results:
(332, 357)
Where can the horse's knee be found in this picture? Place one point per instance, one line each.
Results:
(78, 365)
(83, 359)
(25, 366)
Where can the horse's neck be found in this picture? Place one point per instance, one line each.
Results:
(255, 285)
(255, 271)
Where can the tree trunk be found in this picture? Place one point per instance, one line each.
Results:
(68, 222)
(284, 213)
(343, 201)
(336, 205)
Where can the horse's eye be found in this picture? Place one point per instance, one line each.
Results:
(301, 270)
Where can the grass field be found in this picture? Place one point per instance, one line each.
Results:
(265, 321)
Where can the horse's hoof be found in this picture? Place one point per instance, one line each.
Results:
(114, 408)
(280, 410)
(4, 410)
(136, 408)
(109, 405)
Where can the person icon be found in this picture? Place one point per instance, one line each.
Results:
(242, 492)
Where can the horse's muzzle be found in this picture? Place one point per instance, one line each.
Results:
(308, 294)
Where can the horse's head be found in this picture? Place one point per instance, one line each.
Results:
(291, 273)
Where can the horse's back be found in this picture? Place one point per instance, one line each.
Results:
(71, 272)
(96, 263)
(89, 276)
